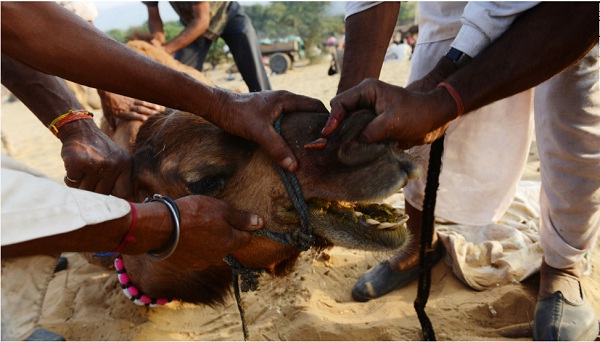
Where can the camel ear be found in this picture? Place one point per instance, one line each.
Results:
(356, 153)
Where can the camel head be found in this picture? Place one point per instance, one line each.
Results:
(178, 154)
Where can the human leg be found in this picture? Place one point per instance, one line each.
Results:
(240, 36)
(485, 153)
(567, 114)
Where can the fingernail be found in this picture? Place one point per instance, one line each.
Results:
(289, 164)
(331, 123)
(318, 144)
(254, 220)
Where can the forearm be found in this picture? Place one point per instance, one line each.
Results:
(193, 29)
(368, 36)
(115, 67)
(46, 96)
(155, 24)
(484, 21)
(191, 32)
(152, 231)
(541, 42)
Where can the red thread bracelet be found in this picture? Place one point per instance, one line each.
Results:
(460, 107)
(128, 237)
(69, 116)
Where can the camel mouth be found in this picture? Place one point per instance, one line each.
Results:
(357, 225)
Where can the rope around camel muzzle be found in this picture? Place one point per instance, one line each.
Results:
(303, 237)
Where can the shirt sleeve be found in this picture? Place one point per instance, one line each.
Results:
(34, 206)
(484, 21)
(353, 7)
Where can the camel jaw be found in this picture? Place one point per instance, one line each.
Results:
(362, 226)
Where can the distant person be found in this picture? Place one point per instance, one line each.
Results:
(204, 23)
(398, 52)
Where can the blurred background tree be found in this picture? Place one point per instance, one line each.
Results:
(408, 13)
(171, 29)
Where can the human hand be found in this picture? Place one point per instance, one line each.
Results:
(408, 117)
(444, 68)
(253, 115)
(157, 43)
(429, 82)
(94, 162)
(210, 230)
(115, 106)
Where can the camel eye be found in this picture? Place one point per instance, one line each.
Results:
(208, 186)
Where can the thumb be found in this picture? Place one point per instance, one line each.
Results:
(337, 115)
(279, 151)
(244, 221)
(379, 129)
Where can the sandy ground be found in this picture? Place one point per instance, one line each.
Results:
(312, 303)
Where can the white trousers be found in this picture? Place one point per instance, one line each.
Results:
(567, 117)
(485, 153)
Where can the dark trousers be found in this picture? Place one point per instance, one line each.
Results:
(240, 36)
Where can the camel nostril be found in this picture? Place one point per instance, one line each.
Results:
(357, 153)
(407, 163)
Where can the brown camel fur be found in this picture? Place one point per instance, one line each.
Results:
(177, 154)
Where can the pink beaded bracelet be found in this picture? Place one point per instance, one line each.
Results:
(132, 292)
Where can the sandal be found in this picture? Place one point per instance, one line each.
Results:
(381, 279)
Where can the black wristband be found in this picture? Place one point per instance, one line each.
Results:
(456, 56)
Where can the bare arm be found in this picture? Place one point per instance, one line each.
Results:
(368, 35)
(88, 154)
(113, 67)
(210, 229)
(46, 96)
(523, 58)
(148, 236)
(155, 24)
(193, 30)
(31, 31)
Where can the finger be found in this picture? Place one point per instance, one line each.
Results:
(73, 175)
(237, 240)
(133, 116)
(381, 128)
(149, 105)
(88, 182)
(71, 182)
(338, 112)
(146, 111)
(244, 221)
(105, 184)
(345, 103)
(300, 103)
(123, 187)
(278, 150)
